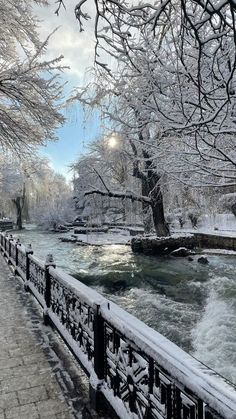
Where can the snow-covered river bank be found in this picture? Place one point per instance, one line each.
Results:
(191, 304)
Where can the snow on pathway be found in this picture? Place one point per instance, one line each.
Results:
(34, 382)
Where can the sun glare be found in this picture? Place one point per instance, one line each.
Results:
(112, 142)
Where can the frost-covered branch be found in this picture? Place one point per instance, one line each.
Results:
(120, 195)
(31, 92)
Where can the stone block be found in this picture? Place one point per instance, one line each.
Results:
(8, 400)
(34, 358)
(51, 407)
(28, 411)
(10, 362)
(32, 395)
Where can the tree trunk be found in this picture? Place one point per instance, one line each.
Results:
(25, 209)
(160, 224)
(18, 213)
(151, 188)
(147, 211)
(19, 205)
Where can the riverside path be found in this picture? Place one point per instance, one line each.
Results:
(38, 379)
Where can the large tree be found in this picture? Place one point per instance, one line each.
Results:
(208, 23)
(51, 203)
(171, 81)
(194, 45)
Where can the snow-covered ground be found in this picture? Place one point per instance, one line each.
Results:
(218, 224)
(207, 230)
(220, 252)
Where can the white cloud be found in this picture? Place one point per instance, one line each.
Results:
(76, 47)
(56, 166)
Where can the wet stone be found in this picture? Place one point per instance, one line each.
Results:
(203, 260)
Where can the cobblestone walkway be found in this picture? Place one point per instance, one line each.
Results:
(38, 377)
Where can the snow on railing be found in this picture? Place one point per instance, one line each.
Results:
(139, 372)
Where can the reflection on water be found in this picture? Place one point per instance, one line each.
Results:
(191, 304)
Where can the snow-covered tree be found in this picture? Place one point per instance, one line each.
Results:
(168, 91)
(51, 201)
(31, 92)
(166, 80)
(31, 190)
(206, 23)
(103, 182)
(15, 186)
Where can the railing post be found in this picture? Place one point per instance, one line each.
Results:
(9, 252)
(5, 244)
(2, 241)
(17, 244)
(96, 397)
(28, 251)
(47, 294)
(16, 255)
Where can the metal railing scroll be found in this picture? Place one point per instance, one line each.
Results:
(140, 373)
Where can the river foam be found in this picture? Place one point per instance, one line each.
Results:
(163, 314)
(214, 337)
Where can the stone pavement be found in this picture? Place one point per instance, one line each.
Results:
(38, 376)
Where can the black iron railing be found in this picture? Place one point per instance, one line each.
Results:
(139, 372)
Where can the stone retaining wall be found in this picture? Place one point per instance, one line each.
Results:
(165, 245)
(212, 241)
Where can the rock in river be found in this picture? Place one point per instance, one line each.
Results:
(203, 260)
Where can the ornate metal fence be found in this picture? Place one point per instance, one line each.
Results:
(140, 373)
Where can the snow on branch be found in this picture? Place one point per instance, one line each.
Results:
(121, 195)
(30, 87)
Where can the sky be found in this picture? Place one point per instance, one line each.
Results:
(78, 51)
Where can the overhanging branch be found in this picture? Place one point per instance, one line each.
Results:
(121, 195)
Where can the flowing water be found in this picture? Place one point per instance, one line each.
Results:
(191, 304)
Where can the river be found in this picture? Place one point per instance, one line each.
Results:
(191, 304)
